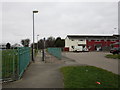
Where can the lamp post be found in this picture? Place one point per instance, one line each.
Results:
(37, 41)
(33, 37)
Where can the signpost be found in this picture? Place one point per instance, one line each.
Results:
(43, 50)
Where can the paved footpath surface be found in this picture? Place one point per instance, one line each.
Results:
(97, 59)
(42, 74)
(47, 74)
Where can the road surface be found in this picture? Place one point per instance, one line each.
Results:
(97, 59)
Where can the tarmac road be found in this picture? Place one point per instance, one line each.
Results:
(97, 59)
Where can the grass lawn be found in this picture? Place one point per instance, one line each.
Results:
(7, 62)
(116, 56)
(88, 77)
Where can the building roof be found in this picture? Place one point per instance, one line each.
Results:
(16, 45)
(92, 35)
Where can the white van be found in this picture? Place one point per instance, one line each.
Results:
(80, 49)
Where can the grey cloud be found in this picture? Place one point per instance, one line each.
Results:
(58, 19)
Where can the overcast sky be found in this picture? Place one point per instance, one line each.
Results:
(57, 19)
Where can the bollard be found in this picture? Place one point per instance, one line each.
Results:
(43, 55)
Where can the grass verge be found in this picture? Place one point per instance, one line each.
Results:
(116, 56)
(88, 77)
(9, 62)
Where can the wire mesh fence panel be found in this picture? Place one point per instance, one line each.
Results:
(9, 63)
(55, 52)
(0, 69)
(14, 62)
(24, 59)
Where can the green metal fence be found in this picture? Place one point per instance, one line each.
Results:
(9, 64)
(0, 65)
(14, 62)
(23, 58)
(55, 52)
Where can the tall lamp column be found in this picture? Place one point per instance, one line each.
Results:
(33, 37)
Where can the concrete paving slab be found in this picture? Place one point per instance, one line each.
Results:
(43, 74)
(39, 75)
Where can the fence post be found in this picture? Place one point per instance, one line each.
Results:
(18, 66)
(13, 68)
(43, 50)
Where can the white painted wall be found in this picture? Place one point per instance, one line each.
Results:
(69, 43)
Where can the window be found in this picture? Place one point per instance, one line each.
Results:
(72, 47)
(83, 46)
(72, 40)
(92, 40)
(108, 40)
(98, 40)
(80, 40)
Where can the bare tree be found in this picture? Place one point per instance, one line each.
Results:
(25, 42)
(59, 42)
(50, 41)
(8, 45)
(40, 44)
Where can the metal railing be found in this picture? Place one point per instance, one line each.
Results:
(14, 62)
(23, 59)
(55, 52)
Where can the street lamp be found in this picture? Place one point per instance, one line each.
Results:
(33, 37)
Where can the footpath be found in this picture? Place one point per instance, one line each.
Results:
(42, 74)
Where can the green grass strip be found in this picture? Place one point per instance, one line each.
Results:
(88, 77)
(116, 56)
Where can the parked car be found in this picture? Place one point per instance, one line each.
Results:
(115, 50)
(80, 49)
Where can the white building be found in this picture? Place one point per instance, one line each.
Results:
(16, 45)
(90, 42)
(72, 42)
(2, 45)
